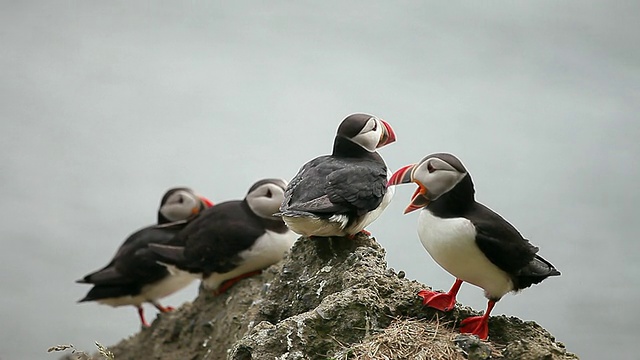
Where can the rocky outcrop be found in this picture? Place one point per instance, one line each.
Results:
(329, 299)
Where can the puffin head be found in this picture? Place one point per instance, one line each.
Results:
(435, 175)
(265, 197)
(367, 131)
(181, 204)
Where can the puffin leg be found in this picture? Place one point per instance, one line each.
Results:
(478, 325)
(143, 321)
(441, 301)
(229, 283)
(163, 309)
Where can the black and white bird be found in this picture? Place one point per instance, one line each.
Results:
(340, 194)
(133, 276)
(233, 239)
(468, 239)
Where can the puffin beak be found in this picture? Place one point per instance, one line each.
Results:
(388, 136)
(418, 199)
(402, 176)
(208, 203)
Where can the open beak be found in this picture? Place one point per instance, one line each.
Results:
(388, 136)
(419, 198)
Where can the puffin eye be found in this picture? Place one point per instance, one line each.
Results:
(430, 168)
(180, 199)
(269, 193)
(375, 126)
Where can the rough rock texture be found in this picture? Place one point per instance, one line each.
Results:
(330, 298)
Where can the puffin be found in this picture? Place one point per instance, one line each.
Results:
(133, 277)
(232, 240)
(467, 239)
(342, 193)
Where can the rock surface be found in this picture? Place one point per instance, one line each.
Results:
(329, 299)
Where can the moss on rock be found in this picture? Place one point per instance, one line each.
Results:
(329, 299)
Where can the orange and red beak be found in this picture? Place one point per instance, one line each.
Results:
(388, 136)
(208, 203)
(420, 198)
(401, 176)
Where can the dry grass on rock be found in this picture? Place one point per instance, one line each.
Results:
(407, 339)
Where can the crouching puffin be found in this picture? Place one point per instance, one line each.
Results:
(232, 240)
(468, 239)
(340, 194)
(133, 276)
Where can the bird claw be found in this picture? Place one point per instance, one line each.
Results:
(439, 301)
(363, 232)
(163, 309)
(476, 325)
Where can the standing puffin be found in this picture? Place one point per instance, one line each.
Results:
(468, 239)
(232, 240)
(340, 194)
(133, 276)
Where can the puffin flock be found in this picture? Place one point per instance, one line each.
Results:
(335, 195)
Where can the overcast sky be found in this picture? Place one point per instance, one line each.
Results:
(105, 105)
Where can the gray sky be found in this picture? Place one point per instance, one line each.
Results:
(105, 105)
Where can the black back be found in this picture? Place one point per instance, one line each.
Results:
(501, 243)
(331, 185)
(212, 241)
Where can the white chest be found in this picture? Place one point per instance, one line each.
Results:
(269, 248)
(451, 243)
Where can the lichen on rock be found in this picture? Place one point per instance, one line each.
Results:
(330, 298)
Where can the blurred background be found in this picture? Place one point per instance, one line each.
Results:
(105, 105)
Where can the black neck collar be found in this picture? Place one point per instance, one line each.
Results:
(456, 202)
(343, 147)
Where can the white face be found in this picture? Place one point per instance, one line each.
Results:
(265, 200)
(180, 205)
(437, 175)
(370, 135)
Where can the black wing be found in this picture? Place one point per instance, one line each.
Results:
(361, 187)
(328, 185)
(506, 248)
(501, 243)
(134, 262)
(213, 241)
(308, 184)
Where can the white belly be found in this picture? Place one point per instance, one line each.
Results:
(266, 251)
(315, 226)
(451, 243)
(153, 292)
